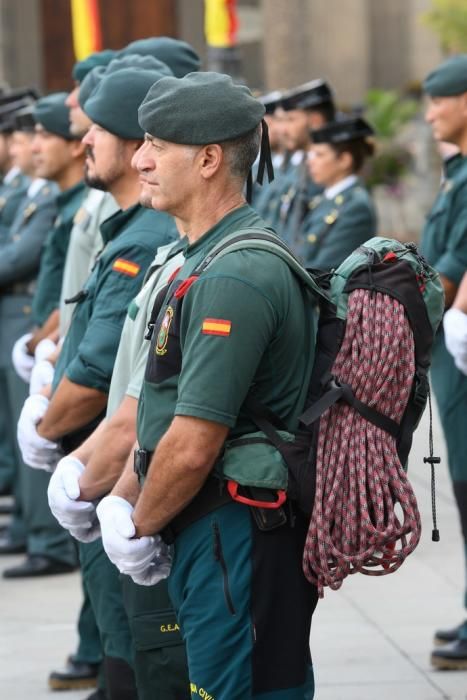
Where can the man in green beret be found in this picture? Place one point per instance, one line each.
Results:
(84, 367)
(444, 244)
(212, 340)
(58, 157)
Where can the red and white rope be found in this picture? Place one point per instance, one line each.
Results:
(359, 478)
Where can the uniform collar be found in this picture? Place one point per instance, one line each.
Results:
(453, 164)
(112, 226)
(11, 174)
(35, 186)
(208, 239)
(334, 190)
(67, 195)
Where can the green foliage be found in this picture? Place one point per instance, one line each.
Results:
(387, 112)
(448, 18)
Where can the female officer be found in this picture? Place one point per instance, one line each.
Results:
(343, 217)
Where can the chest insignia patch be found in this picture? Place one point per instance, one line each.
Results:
(216, 326)
(126, 267)
(163, 335)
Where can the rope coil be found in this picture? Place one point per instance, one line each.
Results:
(359, 477)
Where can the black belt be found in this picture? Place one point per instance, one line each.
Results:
(211, 496)
(19, 289)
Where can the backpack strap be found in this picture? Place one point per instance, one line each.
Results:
(262, 239)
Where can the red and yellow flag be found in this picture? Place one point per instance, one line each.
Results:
(221, 23)
(126, 267)
(86, 25)
(216, 326)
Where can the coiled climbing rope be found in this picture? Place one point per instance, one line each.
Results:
(356, 525)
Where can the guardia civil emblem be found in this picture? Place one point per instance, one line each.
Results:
(163, 335)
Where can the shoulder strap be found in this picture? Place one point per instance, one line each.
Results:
(262, 239)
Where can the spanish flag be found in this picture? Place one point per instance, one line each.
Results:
(220, 23)
(216, 326)
(86, 25)
(126, 267)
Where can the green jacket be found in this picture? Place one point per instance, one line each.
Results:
(131, 238)
(444, 244)
(49, 282)
(12, 190)
(333, 228)
(20, 252)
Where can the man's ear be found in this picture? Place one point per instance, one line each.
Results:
(77, 148)
(211, 158)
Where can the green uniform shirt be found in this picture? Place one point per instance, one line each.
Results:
(131, 238)
(242, 324)
(333, 228)
(444, 240)
(13, 189)
(21, 250)
(49, 282)
(444, 244)
(294, 202)
(132, 355)
(85, 243)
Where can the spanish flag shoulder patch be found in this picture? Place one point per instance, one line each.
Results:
(126, 267)
(216, 326)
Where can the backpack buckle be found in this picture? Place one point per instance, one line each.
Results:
(232, 488)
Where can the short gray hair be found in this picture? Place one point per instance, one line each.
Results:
(241, 153)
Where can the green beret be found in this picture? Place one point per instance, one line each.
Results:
(100, 58)
(89, 83)
(53, 115)
(450, 78)
(129, 61)
(198, 109)
(115, 100)
(178, 55)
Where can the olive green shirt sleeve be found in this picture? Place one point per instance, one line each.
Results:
(453, 261)
(227, 326)
(93, 362)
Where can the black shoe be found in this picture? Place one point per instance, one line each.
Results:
(37, 565)
(452, 656)
(447, 636)
(76, 675)
(9, 546)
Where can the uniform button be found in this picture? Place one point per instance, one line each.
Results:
(311, 238)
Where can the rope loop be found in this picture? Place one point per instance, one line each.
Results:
(356, 525)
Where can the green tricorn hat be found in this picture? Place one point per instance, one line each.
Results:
(178, 55)
(53, 115)
(129, 61)
(115, 100)
(99, 58)
(448, 79)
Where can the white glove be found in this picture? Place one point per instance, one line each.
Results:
(44, 349)
(455, 334)
(42, 375)
(139, 558)
(23, 362)
(79, 517)
(36, 450)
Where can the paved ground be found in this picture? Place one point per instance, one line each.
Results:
(370, 641)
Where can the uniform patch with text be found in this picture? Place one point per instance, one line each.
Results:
(216, 326)
(126, 267)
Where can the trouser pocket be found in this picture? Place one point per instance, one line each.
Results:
(219, 557)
